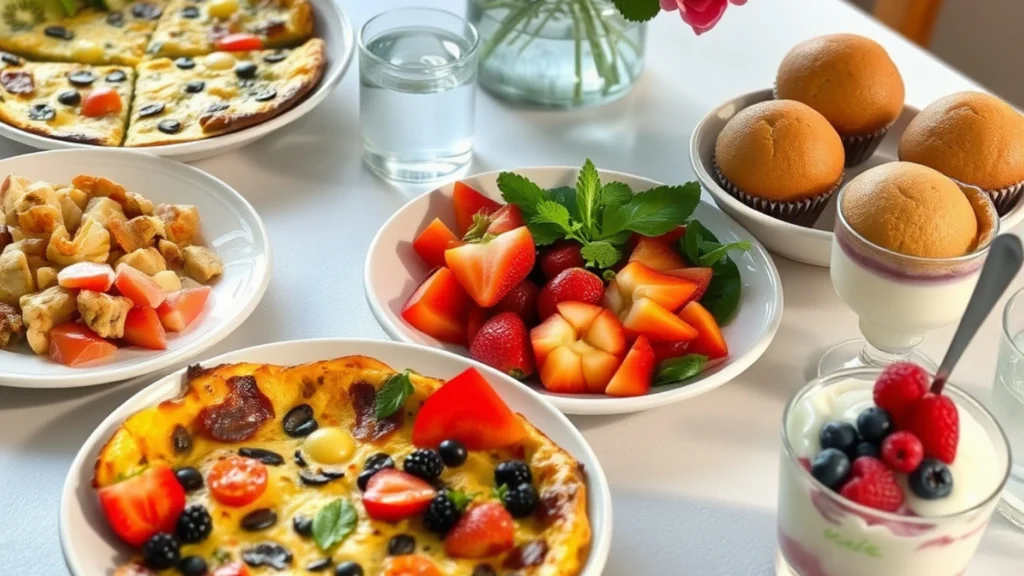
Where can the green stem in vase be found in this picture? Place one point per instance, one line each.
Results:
(556, 9)
(577, 94)
(520, 29)
(601, 63)
(508, 24)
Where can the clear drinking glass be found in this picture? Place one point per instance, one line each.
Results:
(1008, 403)
(822, 533)
(899, 298)
(417, 93)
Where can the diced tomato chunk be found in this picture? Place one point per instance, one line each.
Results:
(182, 307)
(101, 101)
(240, 42)
(433, 241)
(237, 481)
(138, 507)
(72, 344)
(467, 203)
(138, 287)
(467, 409)
(86, 276)
(410, 565)
(142, 328)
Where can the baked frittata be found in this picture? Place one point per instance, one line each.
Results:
(343, 465)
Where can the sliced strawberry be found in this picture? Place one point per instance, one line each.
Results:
(138, 287)
(484, 530)
(142, 327)
(700, 276)
(72, 344)
(439, 308)
(505, 219)
(637, 280)
(521, 301)
(143, 505)
(231, 569)
(467, 203)
(578, 349)
(668, 350)
(656, 255)
(392, 495)
(475, 321)
(467, 409)
(709, 340)
(409, 565)
(433, 241)
(633, 378)
(571, 285)
(649, 318)
(181, 308)
(86, 276)
(561, 255)
(490, 269)
(672, 236)
(504, 344)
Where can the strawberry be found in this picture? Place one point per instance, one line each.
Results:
(140, 506)
(521, 301)
(672, 236)
(504, 344)
(571, 285)
(936, 423)
(668, 350)
(902, 452)
(484, 530)
(633, 378)
(647, 317)
(656, 255)
(433, 241)
(467, 203)
(505, 219)
(700, 276)
(475, 321)
(636, 281)
(878, 490)
(709, 340)
(467, 409)
(900, 385)
(560, 256)
(488, 270)
(578, 349)
(392, 495)
(439, 308)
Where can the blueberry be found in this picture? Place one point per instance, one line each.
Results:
(839, 435)
(865, 449)
(831, 467)
(874, 424)
(932, 479)
(192, 566)
(453, 453)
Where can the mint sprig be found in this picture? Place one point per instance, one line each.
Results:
(333, 523)
(391, 397)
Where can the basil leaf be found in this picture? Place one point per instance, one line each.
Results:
(721, 251)
(653, 212)
(391, 397)
(333, 523)
(600, 254)
(522, 192)
(615, 193)
(588, 186)
(679, 369)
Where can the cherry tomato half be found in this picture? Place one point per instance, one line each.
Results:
(237, 481)
(102, 100)
(239, 42)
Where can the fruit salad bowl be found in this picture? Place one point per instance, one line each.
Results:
(400, 284)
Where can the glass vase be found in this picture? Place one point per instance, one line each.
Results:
(557, 53)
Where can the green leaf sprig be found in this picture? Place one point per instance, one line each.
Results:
(333, 523)
(679, 369)
(391, 397)
(638, 10)
(701, 248)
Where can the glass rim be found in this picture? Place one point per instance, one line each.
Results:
(475, 39)
(892, 516)
(1006, 320)
(980, 250)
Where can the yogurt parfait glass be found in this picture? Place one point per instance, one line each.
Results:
(821, 533)
(900, 298)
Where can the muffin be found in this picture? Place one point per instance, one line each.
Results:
(782, 158)
(852, 82)
(975, 139)
(913, 210)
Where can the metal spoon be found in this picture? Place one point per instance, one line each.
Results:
(1005, 257)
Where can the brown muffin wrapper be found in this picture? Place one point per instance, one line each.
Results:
(1004, 199)
(800, 212)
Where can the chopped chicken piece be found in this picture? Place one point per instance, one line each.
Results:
(45, 277)
(44, 310)
(137, 233)
(98, 186)
(35, 263)
(30, 246)
(103, 210)
(137, 205)
(168, 281)
(104, 314)
(90, 244)
(181, 222)
(11, 325)
(79, 197)
(18, 194)
(5, 235)
(15, 277)
(115, 255)
(171, 253)
(146, 260)
(40, 221)
(201, 263)
(70, 210)
(188, 283)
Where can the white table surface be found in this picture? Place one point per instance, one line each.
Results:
(694, 484)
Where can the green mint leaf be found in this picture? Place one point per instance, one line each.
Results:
(679, 369)
(653, 212)
(461, 499)
(710, 258)
(614, 193)
(551, 212)
(638, 10)
(333, 523)
(588, 187)
(545, 234)
(689, 244)
(722, 297)
(519, 190)
(566, 196)
(391, 397)
(600, 254)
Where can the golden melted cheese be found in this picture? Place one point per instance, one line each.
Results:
(146, 437)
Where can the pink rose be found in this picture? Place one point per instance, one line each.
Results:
(701, 15)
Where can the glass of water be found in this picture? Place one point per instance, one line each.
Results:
(1008, 404)
(417, 93)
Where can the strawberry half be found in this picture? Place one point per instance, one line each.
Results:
(561, 255)
(504, 344)
(578, 349)
(936, 423)
(484, 530)
(709, 340)
(633, 378)
(143, 505)
(521, 301)
(438, 308)
(392, 495)
(488, 270)
(656, 255)
(467, 409)
(647, 317)
(467, 203)
(699, 276)
(433, 241)
(571, 285)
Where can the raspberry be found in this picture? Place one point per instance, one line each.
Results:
(936, 423)
(868, 467)
(879, 491)
(900, 385)
(902, 452)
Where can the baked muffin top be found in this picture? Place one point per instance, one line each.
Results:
(971, 137)
(911, 209)
(850, 79)
(780, 150)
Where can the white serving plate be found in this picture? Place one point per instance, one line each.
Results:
(332, 24)
(808, 245)
(229, 225)
(393, 271)
(90, 548)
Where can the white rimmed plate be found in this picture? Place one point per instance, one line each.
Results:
(393, 271)
(332, 24)
(90, 548)
(229, 225)
(810, 245)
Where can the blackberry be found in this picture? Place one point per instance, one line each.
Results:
(161, 551)
(521, 500)
(441, 514)
(424, 463)
(194, 524)
(512, 473)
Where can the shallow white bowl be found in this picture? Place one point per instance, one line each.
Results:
(229, 225)
(332, 24)
(808, 245)
(393, 271)
(90, 548)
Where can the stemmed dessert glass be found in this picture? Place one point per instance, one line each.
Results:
(899, 298)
